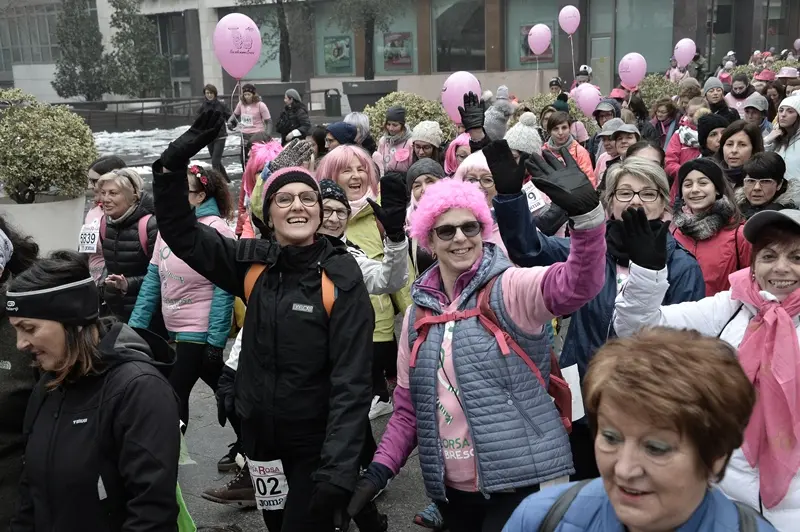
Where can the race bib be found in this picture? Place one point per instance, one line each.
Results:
(269, 481)
(90, 234)
(247, 120)
(535, 199)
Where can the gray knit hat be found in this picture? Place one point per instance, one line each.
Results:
(427, 131)
(524, 137)
(294, 95)
(423, 167)
(757, 101)
(502, 93)
(712, 83)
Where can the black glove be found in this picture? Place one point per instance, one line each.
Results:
(293, 154)
(645, 240)
(565, 183)
(472, 112)
(391, 213)
(328, 501)
(508, 175)
(375, 478)
(225, 395)
(204, 130)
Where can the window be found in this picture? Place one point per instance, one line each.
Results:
(395, 49)
(645, 26)
(459, 35)
(521, 16)
(172, 38)
(28, 34)
(777, 14)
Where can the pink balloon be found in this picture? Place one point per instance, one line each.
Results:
(684, 52)
(237, 44)
(569, 18)
(539, 38)
(454, 89)
(587, 96)
(632, 69)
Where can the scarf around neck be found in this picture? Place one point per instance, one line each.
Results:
(358, 205)
(702, 225)
(615, 240)
(551, 143)
(770, 356)
(688, 137)
(399, 138)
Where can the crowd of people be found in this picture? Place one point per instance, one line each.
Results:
(577, 333)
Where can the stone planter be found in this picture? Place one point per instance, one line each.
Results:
(272, 95)
(54, 222)
(363, 93)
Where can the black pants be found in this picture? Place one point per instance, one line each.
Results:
(582, 446)
(368, 451)
(246, 145)
(191, 364)
(472, 512)
(215, 150)
(384, 365)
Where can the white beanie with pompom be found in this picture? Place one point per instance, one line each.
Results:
(524, 136)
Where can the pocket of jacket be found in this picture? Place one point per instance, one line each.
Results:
(512, 401)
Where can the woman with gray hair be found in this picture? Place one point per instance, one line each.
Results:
(364, 138)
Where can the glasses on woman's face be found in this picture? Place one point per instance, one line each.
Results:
(284, 200)
(423, 149)
(647, 195)
(448, 232)
(763, 183)
(327, 212)
(484, 181)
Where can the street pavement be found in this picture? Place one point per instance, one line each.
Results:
(207, 442)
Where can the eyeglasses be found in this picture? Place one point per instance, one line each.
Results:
(426, 148)
(647, 195)
(327, 213)
(448, 232)
(284, 200)
(484, 182)
(751, 182)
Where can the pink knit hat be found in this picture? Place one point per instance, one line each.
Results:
(443, 196)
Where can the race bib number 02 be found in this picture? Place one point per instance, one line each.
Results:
(90, 234)
(247, 120)
(269, 481)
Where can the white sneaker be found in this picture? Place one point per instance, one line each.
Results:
(380, 408)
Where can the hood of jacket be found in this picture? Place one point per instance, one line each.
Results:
(122, 344)
(615, 104)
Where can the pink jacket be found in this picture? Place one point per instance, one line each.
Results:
(394, 157)
(96, 261)
(677, 154)
(252, 116)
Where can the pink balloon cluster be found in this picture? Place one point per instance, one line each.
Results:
(569, 18)
(237, 44)
(539, 38)
(454, 89)
(684, 52)
(586, 96)
(632, 69)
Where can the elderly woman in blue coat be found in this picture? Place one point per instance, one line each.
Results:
(668, 407)
(637, 183)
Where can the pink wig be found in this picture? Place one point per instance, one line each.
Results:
(476, 161)
(443, 196)
(260, 154)
(339, 158)
(450, 161)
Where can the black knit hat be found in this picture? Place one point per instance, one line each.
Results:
(331, 190)
(285, 176)
(249, 87)
(396, 113)
(708, 168)
(708, 123)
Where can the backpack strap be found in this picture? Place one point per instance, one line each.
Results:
(256, 269)
(559, 508)
(748, 521)
(143, 232)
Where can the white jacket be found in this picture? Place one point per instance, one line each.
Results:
(381, 277)
(639, 305)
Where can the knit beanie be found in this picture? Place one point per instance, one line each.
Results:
(495, 123)
(249, 87)
(561, 105)
(396, 113)
(425, 166)
(331, 190)
(712, 83)
(524, 137)
(555, 82)
(708, 123)
(294, 95)
(343, 132)
(285, 176)
(791, 101)
(708, 168)
(502, 93)
(427, 131)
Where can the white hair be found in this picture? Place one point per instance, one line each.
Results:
(127, 180)
(361, 121)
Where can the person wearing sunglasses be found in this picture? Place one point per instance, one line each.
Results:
(487, 431)
(304, 387)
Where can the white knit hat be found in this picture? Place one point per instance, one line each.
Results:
(523, 136)
(427, 131)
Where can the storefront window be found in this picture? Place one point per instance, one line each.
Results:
(459, 35)
(645, 26)
(395, 49)
(777, 12)
(521, 16)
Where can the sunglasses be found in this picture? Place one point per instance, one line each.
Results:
(448, 232)
(284, 200)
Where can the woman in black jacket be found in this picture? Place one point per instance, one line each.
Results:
(303, 389)
(293, 122)
(217, 146)
(102, 426)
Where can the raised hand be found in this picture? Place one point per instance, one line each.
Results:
(646, 247)
(565, 183)
(508, 174)
(472, 112)
(295, 153)
(391, 213)
(204, 130)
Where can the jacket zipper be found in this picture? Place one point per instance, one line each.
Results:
(513, 401)
(50, 451)
(275, 341)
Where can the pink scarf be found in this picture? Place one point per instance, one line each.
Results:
(770, 356)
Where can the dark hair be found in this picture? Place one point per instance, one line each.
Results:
(666, 102)
(751, 130)
(563, 96)
(638, 107)
(741, 76)
(556, 119)
(781, 90)
(106, 164)
(779, 232)
(215, 187)
(766, 165)
(25, 253)
(59, 268)
(318, 134)
(689, 92)
(211, 88)
(644, 144)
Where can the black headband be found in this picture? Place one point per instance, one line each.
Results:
(70, 304)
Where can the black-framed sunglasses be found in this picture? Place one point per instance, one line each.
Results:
(448, 232)
(284, 200)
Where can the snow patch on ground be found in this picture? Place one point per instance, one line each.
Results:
(138, 146)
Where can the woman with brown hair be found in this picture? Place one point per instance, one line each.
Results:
(665, 117)
(217, 146)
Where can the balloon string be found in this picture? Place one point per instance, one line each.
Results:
(572, 50)
(241, 135)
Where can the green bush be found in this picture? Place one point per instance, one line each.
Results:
(417, 109)
(542, 100)
(655, 86)
(46, 148)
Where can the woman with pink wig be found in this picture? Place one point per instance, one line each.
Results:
(487, 430)
(456, 153)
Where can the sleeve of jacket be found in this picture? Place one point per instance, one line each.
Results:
(530, 514)
(685, 279)
(219, 320)
(242, 212)
(148, 300)
(401, 299)
(146, 427)
(551, 220)
(304, 123)
(585, 164)
(526, 246)
(350, 353)
(203, 248)
(672, 162)
(388, 275)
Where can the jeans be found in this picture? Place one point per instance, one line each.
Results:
(215, 150)
(192, 364)
(472, 512)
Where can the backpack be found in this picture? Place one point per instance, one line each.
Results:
(748, 522)
(558, 388)
(142, 226)
(255, 271)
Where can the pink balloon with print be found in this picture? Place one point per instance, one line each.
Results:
(454, 89)
(632, 69)
(684, 52)
(569, 18)
(539, 38)
(237, 44)
(586, 96)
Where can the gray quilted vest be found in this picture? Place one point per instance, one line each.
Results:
(516, 431)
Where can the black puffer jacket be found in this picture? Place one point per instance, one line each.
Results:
(123, 253)
(216, 105)
(296, 362)
(294, 116)
(102, 452)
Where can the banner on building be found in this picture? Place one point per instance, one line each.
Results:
(398, 51)
(338, 55)
(525, 54)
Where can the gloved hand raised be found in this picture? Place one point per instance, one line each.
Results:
(204, 130)
(295, 153)
(472, 112)
(391, 213)
(646, 247)
(565, 183)
(225, 395)
(508, 175)
(374, 479)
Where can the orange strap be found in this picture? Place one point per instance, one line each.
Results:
(255, 271)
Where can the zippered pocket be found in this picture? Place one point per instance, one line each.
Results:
(524, 414)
